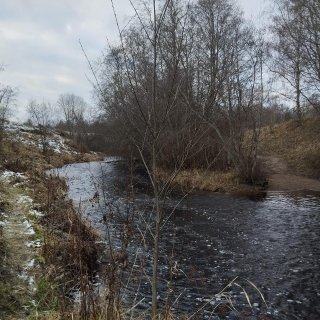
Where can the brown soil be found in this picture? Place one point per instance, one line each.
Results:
(282, 179)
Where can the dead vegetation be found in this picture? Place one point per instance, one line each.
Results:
(16, 254)
(298, 145)
(67, 262)
(215, 181)
(206, 180)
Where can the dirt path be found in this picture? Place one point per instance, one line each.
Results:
(281, 179)
(17, 282)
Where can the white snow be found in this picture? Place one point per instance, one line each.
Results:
(7, 174)
(57, 144)
(28, 228)
(27, 135)
(24, 274)
(24, 199)
(30, 264)
(33, 244)
(36, 213)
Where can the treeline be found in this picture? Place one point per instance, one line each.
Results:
(190, 89)
(190, 82)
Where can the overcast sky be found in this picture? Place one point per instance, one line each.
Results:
(39, 45)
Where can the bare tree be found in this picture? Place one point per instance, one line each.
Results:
(288, 48)
(141, 89)
(182, 77)
(7, 97)
(297, 49)
(41, 117)
(227, 87)
(311, 45)
(73, 108)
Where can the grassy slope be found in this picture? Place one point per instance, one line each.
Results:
(298, 145)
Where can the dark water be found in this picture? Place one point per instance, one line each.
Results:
(210, 240)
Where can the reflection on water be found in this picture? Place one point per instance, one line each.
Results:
(212, 238)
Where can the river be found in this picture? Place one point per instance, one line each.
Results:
(270, 244)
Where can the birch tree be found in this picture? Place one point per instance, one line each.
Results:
(288, 49)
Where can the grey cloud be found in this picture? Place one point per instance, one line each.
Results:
(39, 44)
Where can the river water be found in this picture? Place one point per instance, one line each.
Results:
(270, 245)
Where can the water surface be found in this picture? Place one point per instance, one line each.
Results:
(209, 240)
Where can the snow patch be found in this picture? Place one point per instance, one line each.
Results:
(24, 199)
(57, 144)
(29, 136)
(3, 220)
(29, 229)
(7, 175)
(30, 264)
(24, 274)
(17, 127)
(36, 213)
(33, 244)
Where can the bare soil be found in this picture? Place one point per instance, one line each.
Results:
(282, 179)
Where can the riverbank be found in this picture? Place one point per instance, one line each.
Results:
(282, 178)
(212, 181)
(290, 155)
(278, 177)
(20, 244)
(289, 158)
(47, 249)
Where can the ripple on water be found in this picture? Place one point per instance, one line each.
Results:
(273, 242)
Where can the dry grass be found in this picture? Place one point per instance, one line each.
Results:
(298, 145)
(208, 180)
(15, 291)
(213, 181)
(69, 252)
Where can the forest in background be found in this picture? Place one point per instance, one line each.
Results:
(193, 86)
(195, 81)
(198, 82)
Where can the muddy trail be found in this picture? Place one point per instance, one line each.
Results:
(281, 178)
